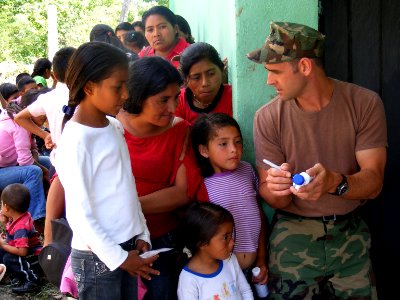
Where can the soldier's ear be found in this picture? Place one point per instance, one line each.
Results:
(305, 65)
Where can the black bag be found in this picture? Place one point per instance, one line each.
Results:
(53, 257)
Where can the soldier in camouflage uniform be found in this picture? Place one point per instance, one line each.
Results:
(336, 132)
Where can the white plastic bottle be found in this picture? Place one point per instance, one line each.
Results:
(261, 289)
(301, 179)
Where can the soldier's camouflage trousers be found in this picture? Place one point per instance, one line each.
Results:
(312, 259)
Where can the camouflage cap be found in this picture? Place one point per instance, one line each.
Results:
(288, 41)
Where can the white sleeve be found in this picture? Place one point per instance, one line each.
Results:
(145, 236)
(75, 171)
(36, 109)
(243, 286)
(187, 287)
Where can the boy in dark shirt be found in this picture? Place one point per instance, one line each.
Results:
(20, 250)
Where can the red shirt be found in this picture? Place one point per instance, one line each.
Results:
(22, 234)
(178, 49)
(222, 104)
(155, 161)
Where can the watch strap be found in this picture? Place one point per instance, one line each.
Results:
(339, 189)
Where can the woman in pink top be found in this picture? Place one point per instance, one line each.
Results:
(17, 164)
(161, 31)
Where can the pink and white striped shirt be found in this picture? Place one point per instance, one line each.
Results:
(237, 192)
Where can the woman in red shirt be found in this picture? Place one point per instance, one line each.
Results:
(161, 31)
(204, 93)
(163, 165)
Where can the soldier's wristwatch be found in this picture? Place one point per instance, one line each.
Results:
(342, 188)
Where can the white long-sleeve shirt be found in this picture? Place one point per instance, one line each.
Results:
(51, 104)
(228, 282)
(102, 206)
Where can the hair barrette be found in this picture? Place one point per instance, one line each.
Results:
(187, 252)
(68, 110)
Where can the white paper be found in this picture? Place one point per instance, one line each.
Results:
(154, 252)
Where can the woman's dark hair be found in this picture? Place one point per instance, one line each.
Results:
(19, 76)
(94, 62)
(203, 130)
(40, 67)
(200, 223)
(137, 24)
(60, 62)
(8, 89)
(148, 76)
(124, 26)
(24, 80)
(135, 38)
(162, 11)
(104, 33)
(197, 52)
(185, 28)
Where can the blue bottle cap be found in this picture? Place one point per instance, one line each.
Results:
(298, 179)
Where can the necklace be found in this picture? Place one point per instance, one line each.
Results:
(199, 103)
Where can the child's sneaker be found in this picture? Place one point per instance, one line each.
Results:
(27, 287)
(14, 282)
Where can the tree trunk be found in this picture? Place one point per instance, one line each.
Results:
(124, 10)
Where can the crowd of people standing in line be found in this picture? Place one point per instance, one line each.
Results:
(146, 155)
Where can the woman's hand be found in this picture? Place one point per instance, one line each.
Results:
(135, 265)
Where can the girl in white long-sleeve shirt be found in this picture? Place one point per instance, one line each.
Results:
(213, 272)
(102, 206)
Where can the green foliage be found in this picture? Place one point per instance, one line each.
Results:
(24, 24)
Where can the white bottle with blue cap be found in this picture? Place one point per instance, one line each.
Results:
(261, 289)
(301, 179)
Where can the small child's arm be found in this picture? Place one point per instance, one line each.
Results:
(24, 119)
(13, 250)
(261, 261)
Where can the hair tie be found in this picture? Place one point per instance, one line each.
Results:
(68, 110)
(187, 252)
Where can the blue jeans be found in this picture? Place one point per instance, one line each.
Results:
(45, 162)
(96, 282)
(32, 178)
(165, 285)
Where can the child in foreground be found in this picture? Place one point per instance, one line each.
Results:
(93, 164)
(19, 252)
(213, 271)
(233, 184)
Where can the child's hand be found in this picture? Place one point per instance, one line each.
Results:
(48, 142)
(2, 242)
(262, 278)
(135, 265)
(142, 246)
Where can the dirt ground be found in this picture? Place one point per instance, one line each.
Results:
(48, 292)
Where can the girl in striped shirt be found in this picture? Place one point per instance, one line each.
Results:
(233, 184)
